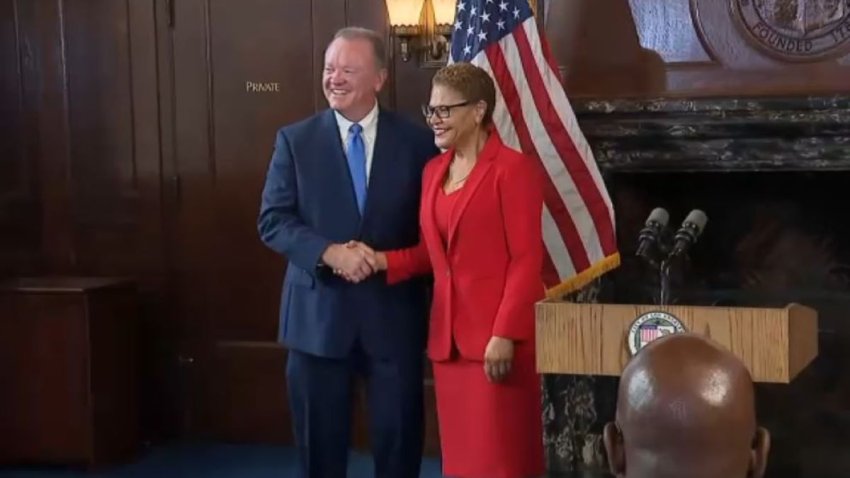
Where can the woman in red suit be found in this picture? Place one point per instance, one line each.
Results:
(481, 238)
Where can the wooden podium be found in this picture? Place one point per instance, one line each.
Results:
(593, 339)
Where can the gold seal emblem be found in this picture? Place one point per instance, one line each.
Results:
(795, 30)
(650, 326)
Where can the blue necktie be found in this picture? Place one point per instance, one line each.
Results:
(357, 164)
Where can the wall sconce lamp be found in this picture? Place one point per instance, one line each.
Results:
(427, 24)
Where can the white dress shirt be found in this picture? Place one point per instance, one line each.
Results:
(369, 133)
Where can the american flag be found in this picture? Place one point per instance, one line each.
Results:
(649, 333)
(533, 115)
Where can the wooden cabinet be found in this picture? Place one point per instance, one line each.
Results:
(68, 371)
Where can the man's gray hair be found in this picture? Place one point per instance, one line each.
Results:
(375, 38)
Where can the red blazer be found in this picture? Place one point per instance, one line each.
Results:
(488, 279)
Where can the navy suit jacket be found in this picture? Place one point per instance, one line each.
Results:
(308, 203)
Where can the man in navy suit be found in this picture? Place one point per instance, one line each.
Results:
(352, 172)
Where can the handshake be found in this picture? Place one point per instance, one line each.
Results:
(354, 261)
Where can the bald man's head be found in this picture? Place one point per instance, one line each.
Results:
(686, 408)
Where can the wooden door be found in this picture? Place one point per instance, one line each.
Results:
(238, 73)
(18, 187)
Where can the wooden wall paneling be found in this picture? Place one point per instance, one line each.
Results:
(95, 171)
(238, 77)
(19, 214)
(114, 173)
(90, 136)
(12, 167)
(44, 80)
(162, 400)
(367, 14)
(327, 17)
(248, 46)
(147, 144)
(101, 173)
(244, 393)
(192, 233)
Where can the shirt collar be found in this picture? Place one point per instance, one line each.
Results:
(367, 122)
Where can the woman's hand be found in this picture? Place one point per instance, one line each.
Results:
(377, 261)
(497, 358)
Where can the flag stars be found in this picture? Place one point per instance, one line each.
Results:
(477, 24)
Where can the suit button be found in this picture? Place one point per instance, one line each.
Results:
(448, 272)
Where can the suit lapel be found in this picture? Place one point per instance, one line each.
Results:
(334, 154)
(476, 177)
(429, 201)
(383, 155)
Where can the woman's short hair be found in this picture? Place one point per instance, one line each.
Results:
(472, 82)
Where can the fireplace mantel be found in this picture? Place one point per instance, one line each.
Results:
(718, 134)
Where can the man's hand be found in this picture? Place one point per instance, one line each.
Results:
(353, 263)
(497, 358)
(380, 263)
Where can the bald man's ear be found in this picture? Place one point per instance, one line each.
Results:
(758, 455)
(614, 448)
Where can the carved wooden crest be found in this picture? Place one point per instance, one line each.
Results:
(795, 30)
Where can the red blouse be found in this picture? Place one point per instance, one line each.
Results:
(444, 204)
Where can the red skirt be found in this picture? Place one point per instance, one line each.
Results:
(490, 430)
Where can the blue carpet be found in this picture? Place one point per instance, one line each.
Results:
(211, 461)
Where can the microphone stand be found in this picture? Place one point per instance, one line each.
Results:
(664, 279)
(660, 258)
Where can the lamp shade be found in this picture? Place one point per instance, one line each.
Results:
(404, 12)
(444, 11)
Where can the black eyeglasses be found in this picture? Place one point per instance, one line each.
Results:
(442, 111)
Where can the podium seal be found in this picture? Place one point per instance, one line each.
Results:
(651, 326)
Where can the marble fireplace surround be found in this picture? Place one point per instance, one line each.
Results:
(718, 134)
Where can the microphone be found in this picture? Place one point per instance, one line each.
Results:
(655, 223)
(691, 229)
